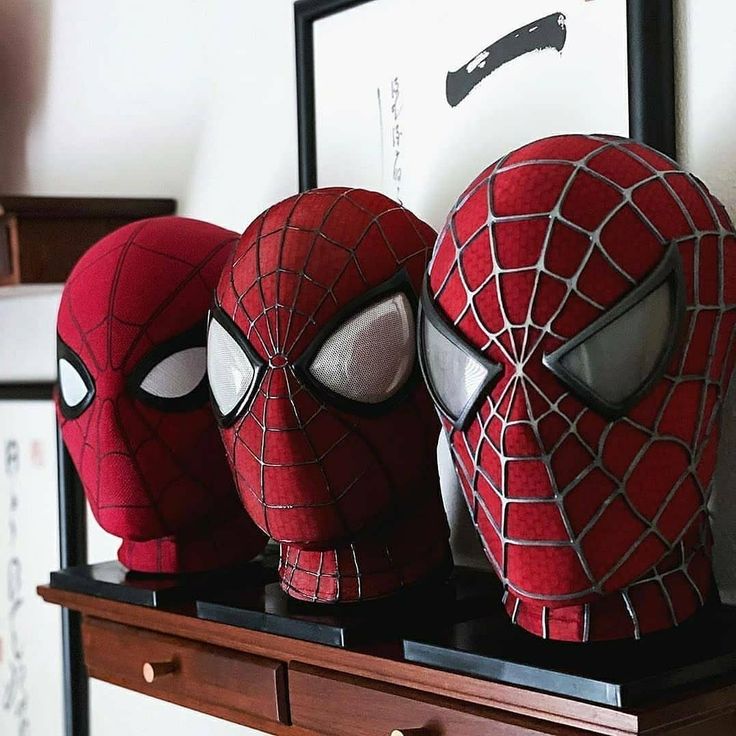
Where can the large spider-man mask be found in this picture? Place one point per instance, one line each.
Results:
(577, 335)
(133, 403)
(311, 354)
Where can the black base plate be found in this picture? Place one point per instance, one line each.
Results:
(465, 595)
(113, 581)
(618, 673)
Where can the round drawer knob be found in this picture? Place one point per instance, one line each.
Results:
(153, 671)
(409, 732)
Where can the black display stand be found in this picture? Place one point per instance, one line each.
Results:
(467, 594)
(617, 673)
(113, 581)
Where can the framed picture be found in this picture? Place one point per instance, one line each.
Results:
(414, 99)
(43, 680)
(31, 673)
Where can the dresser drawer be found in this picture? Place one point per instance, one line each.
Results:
(218, 681)
(337, 704)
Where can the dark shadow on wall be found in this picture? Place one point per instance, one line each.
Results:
(722, 507)
(24, 47)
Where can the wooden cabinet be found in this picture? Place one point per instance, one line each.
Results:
(330, 703)
(288, 687)
(41, 238)
(211, 679)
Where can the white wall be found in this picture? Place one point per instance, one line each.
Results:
(197, 100)
(706, 71)
(707, 144)
(174, 98)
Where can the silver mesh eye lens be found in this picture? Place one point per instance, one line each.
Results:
(613, 362)
(231, 373)
(371, 356)
(73, 388)
(455, 376)
(616, 361)
(176, 375)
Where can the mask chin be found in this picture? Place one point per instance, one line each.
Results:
(319, 529)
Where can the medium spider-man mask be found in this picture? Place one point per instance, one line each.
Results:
(132, 399)
(577, 335)
(330, 434)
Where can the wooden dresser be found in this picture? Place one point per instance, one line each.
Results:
(286, 686)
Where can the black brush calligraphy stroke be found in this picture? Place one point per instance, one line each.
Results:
(549, 32)
(650, 62)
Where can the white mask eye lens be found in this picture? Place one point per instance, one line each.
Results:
(177, 375)
(455, 376)
(371, 356)
(231, 373)
(71, 384)
(617, 360)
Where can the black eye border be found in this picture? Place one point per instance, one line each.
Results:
(668, 270)
(63, 351)
(259, 368)
(194, 337)
(429, 312)
(397, 284)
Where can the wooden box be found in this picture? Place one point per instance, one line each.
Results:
(41, 238)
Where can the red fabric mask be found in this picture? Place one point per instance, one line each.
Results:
(132, 399)
(577, 335)
(328, 429)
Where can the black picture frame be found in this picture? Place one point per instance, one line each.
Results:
(72, 551)
(650, 48)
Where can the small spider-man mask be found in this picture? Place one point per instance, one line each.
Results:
(577, 335)
(133, 403)
(312, 369)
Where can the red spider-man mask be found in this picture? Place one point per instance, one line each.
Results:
(133, 403)
(577, 335)
(329, 432)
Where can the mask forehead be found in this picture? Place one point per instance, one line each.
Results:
(139, 287)
(305, 259)
(551, 237)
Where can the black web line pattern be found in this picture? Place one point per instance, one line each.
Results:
(471, 476)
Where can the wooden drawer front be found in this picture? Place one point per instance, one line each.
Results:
(337, 704)
(219, 681)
